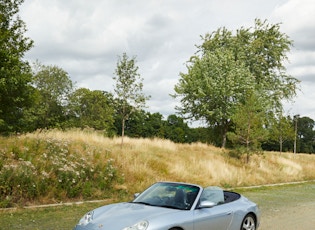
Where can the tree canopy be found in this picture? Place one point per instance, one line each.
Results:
(227, 66)
(93, 109)
(53, 86)
(15, 75)
(305, 135)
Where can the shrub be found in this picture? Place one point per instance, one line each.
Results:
(52, 169)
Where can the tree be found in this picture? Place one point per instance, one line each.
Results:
(54, 86)
(281, 129)
(176, 129)
(15, 75)
(154, 125)
(249, 120)
(144, 124)
(128, 89)
(306, 135)
(214, 85)
(224, 62)
(94, 109)
(263, 49)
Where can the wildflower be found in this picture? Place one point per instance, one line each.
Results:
(45, 174)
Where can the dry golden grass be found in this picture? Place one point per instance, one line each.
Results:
(145, 161)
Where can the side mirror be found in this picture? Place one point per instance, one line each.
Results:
(206, 204)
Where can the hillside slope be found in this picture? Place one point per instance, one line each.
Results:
(140, 162)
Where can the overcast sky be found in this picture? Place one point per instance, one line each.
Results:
(85, 39)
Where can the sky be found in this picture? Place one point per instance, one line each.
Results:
(85, 38)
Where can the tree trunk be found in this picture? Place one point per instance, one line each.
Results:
(122, 132)
(223, 140)
(224, 134)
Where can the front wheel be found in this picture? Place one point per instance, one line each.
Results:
(249, 222)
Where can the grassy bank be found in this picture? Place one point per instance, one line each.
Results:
(56, 166)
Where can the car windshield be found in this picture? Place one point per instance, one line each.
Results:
(170, 195)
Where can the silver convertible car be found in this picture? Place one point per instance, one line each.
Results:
(176, 206)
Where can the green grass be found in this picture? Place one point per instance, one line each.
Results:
(274, 199)
(65, 217)
(48, 218)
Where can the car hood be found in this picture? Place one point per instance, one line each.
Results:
(118, 216)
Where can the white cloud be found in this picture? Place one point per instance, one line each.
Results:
(298, 14)
(297, 17)
(86, 37)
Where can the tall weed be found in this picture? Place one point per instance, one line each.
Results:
(54, 166)
(52, 169)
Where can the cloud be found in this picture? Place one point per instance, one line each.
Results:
(297, 17)
(85, 38)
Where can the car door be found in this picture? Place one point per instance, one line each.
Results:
(215, 218)
(211, 212)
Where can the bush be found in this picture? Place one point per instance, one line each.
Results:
(52, 169)
(241, 152)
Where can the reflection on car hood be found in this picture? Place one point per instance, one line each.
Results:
(118, 216)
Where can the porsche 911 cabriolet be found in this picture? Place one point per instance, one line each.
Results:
(176, 206)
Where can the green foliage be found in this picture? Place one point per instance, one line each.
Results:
(249, 121)
(53, 86)
(263, 48)
(128, 88)
(213, 86)
(243, 153)
(94, 109)
(176, 129)
(144, 124)
(33, 169)
(15, 90)
(281, 130)
(227, 66)
(305, 135)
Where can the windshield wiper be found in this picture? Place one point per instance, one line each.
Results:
(170, 206)
(157, 205)
(140, 202)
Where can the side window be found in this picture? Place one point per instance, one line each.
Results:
(213, 194)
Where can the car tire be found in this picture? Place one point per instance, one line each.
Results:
(249, 222)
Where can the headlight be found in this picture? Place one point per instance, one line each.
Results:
(142, 225)
(87, 218)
